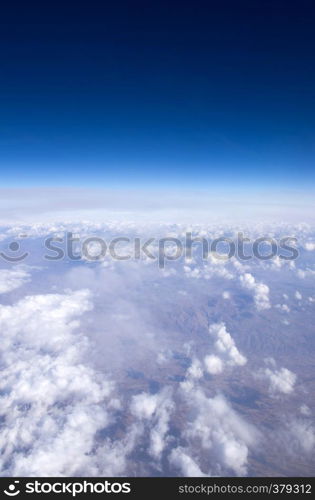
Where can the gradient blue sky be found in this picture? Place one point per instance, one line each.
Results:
(147, 94)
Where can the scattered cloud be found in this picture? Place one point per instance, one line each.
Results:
(280, 380)
(213, 364)
(220, 431)
(109, 374)
(186, 464)
(224, 345)
(260, 290)
(52, 403)
(10, 279)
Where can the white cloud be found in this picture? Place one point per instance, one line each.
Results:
(157, 409)
(10, 279)
(260, 290)
(195, 370)
(158, 434)
(282, 380)
(225, 345)
(63, 416)
(304, 409)
(144, 405)
(224, 435)
(226, 354)
(213, 364)
(310, 246)
(52, 403)
(283, 307)
(305, 273)
(187, 465)
(303, 434)
(112, 457)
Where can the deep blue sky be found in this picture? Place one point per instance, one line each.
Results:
(196, 93)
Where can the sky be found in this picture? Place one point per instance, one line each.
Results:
(142, 95)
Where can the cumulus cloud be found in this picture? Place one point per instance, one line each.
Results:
(186, 464)
(225, 354)
(213, 364)
(52, 403)
(158, 434)
(280, 380)
(304, 409)
(147, 330)
(223, 434)
(10, 279)
(302, 435)
(155, 408)
(305, 273)
(112, 456)
(283, 307)
(144, 405)
(195, 370)
(260, 291)
(225, 346)
(310, 246)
